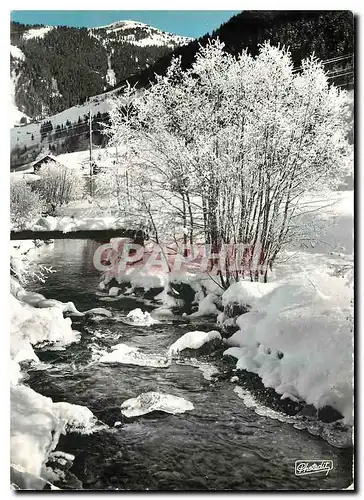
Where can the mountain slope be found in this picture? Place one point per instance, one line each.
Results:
(327, 34)
(54, 68)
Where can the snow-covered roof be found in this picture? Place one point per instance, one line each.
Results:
(46, 158)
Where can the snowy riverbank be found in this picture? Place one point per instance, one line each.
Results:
(36, 421)
(297, 338)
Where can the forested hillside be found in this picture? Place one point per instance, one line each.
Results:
(327, 34)
(59, 67)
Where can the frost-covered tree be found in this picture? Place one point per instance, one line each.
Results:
(112, 184)
(58, 185)
(25, 204)
(225, 152)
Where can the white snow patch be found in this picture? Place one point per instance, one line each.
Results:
(155, 401)
(99, 311)
(20, 136)
(16, 52)
(124, 24)
(206, 368)
(37, 32)
(153, 36)
(110, 74)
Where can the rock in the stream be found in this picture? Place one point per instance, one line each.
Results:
(99, 311)
(114, 291)
(232, 311)
(128, 355)
(139, 318)
(155, 401)
(328, 414)
(151, 293)
(308, 411)
(228, 327)
(196, 344)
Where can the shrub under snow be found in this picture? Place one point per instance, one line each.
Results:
(25, 204)
(58, 184)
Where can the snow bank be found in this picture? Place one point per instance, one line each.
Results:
(193, 340)
(36, 425)
(35, 320)
(122, 353)
(155, 401)
(247, 293)
(298, 339)
(31, 326)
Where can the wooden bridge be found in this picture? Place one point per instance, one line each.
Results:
(99, 235)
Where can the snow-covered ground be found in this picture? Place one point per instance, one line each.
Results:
(36, 425)
(36, 320)
(298, 339)
(16, 53)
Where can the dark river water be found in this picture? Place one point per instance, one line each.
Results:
(220, 445)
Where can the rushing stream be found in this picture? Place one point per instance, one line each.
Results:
(220, 445)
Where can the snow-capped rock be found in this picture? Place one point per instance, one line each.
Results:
(155, 401)
(195, 340)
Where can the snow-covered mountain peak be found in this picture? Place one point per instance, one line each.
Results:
(140, 34)
(125, 24)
